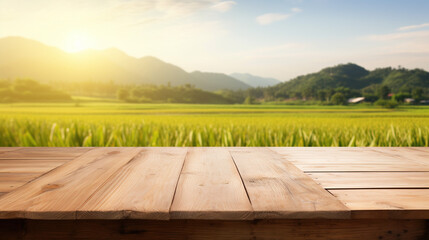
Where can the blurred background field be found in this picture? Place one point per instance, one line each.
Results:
(95, 122)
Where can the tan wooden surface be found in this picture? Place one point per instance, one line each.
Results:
(210, 187)
(386, 203)
(350, 159)
(214, 183)
(371, 180)
(277, 189)
(143, 188)
(59, 193)
(43, 153)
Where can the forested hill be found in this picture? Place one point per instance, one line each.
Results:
(353, 77)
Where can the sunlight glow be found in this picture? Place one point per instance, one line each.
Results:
(78, 41)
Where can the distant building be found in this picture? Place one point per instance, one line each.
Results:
(409, 100)
(425, 102)
(356, 100)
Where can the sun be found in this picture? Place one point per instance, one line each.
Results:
(78, 41)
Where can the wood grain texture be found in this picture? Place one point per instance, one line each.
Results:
(18, 176)
(371, 180)
(417, 155)
(29, 166)
(210, 187)
(4, 150)
(8, 186)
(45, 153)
(386, 203)
(261, 183)
(277, 189)
(347, 159)
(59, 193)
(9, 181)
(197, 229)
(143, 188)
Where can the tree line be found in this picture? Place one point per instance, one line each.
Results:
(27, 90)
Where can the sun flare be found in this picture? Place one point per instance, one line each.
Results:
(78, 41)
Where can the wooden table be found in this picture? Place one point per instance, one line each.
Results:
(214, 193)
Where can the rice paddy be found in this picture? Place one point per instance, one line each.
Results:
(119, 124)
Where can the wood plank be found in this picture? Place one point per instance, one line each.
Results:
(417, 155)
(30, 166)
(11, 181)
(8, 149)
(144, 188)
(45, 153)
(195, 229)
(8, 186)
(347, 159)
(59, 193)
(277, 189)
(210, 187)
(386, 203)
(346, 180)
(18, 176)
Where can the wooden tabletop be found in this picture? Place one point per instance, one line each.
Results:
(214, 183)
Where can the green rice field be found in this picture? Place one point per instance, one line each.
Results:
(119, 124)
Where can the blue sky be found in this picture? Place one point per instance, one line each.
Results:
(273, 38)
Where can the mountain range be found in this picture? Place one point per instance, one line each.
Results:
(25, 58)
(255, 81)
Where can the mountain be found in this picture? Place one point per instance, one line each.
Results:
(218, 81)
(25, 58)
(255, 81)
(354, 77)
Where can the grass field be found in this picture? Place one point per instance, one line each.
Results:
(117, 124)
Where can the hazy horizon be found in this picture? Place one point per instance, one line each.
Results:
(280, 39)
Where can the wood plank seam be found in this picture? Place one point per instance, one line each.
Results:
(178, 179)
(210, 187)
(282, 157)
(273, 182)
(241, 177)
(32, 180)
(270, 149)
(107, 180)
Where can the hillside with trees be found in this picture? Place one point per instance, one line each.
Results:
(335, 84)
(24, 90)
(169, 94)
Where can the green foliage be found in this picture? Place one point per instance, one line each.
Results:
(386, 103)
(248, 100)
(352, 81)
(418, 94)
(338, 99)
(26, 90)
(383, 92)
(58, 125)
(400, 97)
(169, 94)
(123, 94)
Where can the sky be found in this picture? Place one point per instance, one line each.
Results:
(270, 38)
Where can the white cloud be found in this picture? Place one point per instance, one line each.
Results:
(296, 10)
(270, 18)
(412, 27)
(224, 6)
